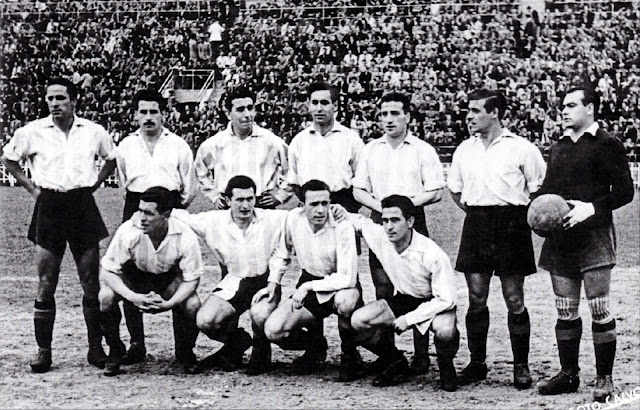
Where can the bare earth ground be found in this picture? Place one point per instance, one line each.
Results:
(159, 383)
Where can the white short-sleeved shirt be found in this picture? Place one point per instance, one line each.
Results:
(332, 158)
(180, 247)
(170, 166)
(262, 157)
(422, 271)
(57, 161)
(329, 254)
(409, 169)
(504, 173)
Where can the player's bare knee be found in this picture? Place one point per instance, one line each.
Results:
(206, 320)
(346, 302)
(191, 306)
(515, 303)
(360, 320)
(274, 330)
(477, 300)
(259, 313)
(107, 298)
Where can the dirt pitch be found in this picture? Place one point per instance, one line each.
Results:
(159, 382)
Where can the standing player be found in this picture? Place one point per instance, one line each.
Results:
(151, 156)
(243, 240)
(243, 148)
(424, 292)
(154, 262)
(61, 150)
(587, 167)
(398, 163)
(327, 151)
(326, 252)
(491, 177)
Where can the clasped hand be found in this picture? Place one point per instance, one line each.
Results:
(151, 303)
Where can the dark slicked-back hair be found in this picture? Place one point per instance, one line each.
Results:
(160, 196)
(402, 202)
(149, 95)
(238, 92)
(396, 96)
(591, 96)
(239, 182)
(323, 86)
(314, 185)
(493, 99)
(72, 90)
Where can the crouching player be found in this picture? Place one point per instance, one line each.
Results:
(424, 294)
(153, 261)
(326, 252)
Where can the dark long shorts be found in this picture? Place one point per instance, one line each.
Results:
(401, 304)
(573, 252)
(317, 309)
(496, 239)
(61, 217)
(420, 225)
(132, 201)
(145, 282)
(248, 287)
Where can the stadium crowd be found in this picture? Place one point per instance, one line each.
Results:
(434, 52)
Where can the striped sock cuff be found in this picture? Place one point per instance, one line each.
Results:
(604, 332)
(569, 329)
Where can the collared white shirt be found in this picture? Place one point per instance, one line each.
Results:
(170, 166)
(409, 169)
(423, 270)
(592, 129)
(180, 247)
(504, 173)
(332, 158)
(330, 254)
(245, 254)
(57, 161)
(262, 157)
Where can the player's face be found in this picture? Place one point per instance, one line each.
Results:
(321, 107)
(149, 117)
(242, 203)
(393, 119)
(316, 207)
(575, 114)
(241, 115)
(478, 119)
(60, 104)
(151, 220)
(396, 226)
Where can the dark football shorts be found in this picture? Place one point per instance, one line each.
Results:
(317, 309)
(248, 287)
(61, 217)
(571, 253)
(496, 239)
(145, 282)
(401, 304)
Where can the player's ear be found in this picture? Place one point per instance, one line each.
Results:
(410, 221)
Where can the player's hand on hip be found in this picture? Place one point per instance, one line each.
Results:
(580, 212)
